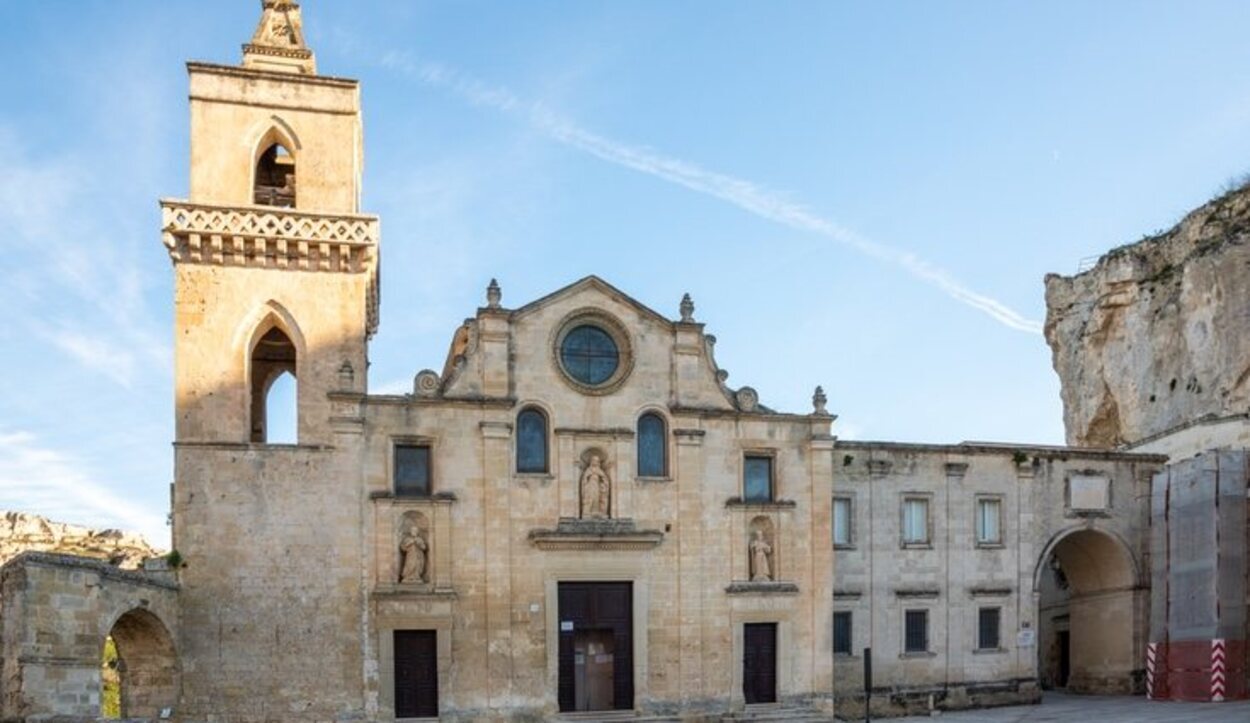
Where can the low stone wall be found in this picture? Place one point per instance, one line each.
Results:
(923, 699)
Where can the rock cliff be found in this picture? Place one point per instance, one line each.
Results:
(20, 532)
(1157, 334)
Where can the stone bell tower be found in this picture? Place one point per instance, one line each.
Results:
(275, 274)
(270, 238)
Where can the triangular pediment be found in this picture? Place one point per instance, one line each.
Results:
(583, 285)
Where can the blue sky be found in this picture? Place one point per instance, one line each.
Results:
(860, 195)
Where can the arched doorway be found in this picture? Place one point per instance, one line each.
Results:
(139, 652)
(1091, 612)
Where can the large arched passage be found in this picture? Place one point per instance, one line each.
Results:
(146, 667)
(1091, 612)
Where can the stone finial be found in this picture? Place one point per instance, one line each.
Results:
(493, 295)
(278, 43)
(819, 401)
(687, 309)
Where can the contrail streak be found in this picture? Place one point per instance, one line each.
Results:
(753, 198)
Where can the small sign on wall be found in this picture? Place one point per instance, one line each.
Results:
(566, 626)
(1026, 638)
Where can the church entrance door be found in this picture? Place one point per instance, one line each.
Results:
(416, 674)
(596, 646)
(759, 662)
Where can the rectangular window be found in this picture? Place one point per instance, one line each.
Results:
(412, 470)
(916, 637)
(989, 518)
(987, 628)
(757, 478)
(842, 521)
(915, 521)
(842, 633)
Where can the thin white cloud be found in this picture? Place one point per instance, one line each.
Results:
(751, 197)
(96, 353)
(47, 482)
(65, 259)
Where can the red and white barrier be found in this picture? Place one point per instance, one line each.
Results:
(1218, 669)
(1152, 662)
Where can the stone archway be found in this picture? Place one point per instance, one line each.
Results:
(147, 664)
(1091, 614)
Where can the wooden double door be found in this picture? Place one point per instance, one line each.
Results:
(759, 662)
(416, 673)
(596, 657)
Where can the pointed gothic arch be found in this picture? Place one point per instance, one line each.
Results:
(273, 349)
(274, 166)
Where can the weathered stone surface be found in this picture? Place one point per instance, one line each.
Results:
(21, 532)
(1156, 335)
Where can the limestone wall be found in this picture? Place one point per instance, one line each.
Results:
(878, 577)
(1156, 336)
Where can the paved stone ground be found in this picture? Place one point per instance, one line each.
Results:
(1100, 709)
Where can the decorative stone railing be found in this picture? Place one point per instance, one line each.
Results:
(264, 237)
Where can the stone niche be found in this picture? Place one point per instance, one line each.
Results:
(417, 531)
(758, 562)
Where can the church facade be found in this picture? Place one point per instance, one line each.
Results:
(573, 516)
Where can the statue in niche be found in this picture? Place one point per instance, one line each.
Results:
(413, 551)
(596, 489)
(761, 558)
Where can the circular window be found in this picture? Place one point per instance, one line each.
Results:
(592, 351)
(589, 355)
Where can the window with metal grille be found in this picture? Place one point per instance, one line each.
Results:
(916, 635)
(757, 480)
(841, 521)
(842, 632)
(989, 516)
(412, 470)
(987, 628)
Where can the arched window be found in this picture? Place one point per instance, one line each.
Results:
(273, 389)
(652, 446)
(275, 178)
(531, 441)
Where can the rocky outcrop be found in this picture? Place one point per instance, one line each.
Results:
(1157, 334)
(20, 531)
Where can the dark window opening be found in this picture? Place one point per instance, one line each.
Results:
(412, 470)
(652, 446)
(531, 442)
(842, 633)
(917, 631)
(987, 628)
(589, 355)
(274, 393)
(757, 479)
(275, 178)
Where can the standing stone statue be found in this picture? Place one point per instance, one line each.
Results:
(412, 551)
(596, 489)
(761, 558)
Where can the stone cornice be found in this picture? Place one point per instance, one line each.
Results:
(762, 588)
(576, 534)
(274, 238)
